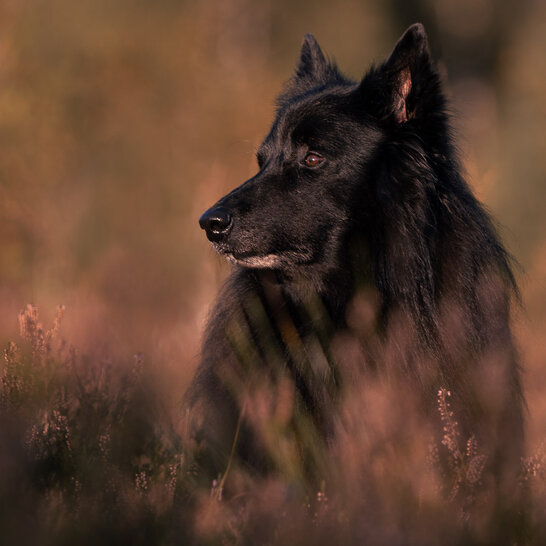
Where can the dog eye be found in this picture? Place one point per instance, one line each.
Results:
(312, 159)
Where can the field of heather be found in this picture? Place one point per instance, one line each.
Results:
(121, 123)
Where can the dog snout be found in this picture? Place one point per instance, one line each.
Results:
(217, 223)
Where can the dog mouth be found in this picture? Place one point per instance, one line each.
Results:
(266, 261)
(273, 260)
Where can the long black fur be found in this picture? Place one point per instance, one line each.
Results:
(385, 209)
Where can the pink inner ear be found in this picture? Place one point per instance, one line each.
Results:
(402, 91)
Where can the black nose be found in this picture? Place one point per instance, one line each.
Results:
(217, 223)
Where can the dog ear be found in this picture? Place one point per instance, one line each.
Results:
(312, 66)
(406, 74)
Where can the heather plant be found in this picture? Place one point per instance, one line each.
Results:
(466, 464)
(91, 456)
(96, 458)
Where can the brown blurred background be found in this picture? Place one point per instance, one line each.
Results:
(120, 122)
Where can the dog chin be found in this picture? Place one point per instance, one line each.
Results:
(286, 259)
(268, 261)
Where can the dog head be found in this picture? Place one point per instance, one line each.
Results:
(316, 181)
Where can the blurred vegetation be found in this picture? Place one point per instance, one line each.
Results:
(120, 122)
(91, 455)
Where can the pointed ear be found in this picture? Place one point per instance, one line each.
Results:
(407, 68)
(312, 65)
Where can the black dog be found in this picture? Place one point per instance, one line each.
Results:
(359, 190)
